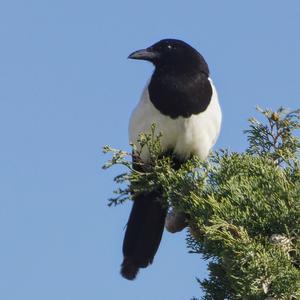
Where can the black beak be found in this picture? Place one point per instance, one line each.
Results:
(144, 54)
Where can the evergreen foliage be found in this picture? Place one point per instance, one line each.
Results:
(243, 208)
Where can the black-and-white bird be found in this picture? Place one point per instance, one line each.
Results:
(181, 100)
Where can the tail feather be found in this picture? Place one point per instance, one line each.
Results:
(129, 269)
(143, 233)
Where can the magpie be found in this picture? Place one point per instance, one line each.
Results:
(181, 99)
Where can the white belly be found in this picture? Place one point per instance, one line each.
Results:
(186, 136)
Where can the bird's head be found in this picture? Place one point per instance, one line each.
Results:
(172, 54)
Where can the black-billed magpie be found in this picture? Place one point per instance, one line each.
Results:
(181, 100)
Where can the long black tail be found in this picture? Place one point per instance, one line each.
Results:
(143, 233)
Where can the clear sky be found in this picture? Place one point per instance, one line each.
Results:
(67, 89)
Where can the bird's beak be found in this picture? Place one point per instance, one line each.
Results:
(144, 54)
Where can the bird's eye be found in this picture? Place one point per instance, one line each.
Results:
(169, 47)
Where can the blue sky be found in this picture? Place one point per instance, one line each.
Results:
(67, 89)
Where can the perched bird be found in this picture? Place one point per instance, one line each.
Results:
(181, 100)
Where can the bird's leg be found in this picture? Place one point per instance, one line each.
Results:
(175, 221)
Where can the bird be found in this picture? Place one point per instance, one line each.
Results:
(181, 100)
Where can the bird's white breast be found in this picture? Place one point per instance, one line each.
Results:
(186, 136)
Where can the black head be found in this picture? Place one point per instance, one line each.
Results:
(174, 55)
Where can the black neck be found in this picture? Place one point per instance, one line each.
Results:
(180, 91)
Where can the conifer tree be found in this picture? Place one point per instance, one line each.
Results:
(243, 208)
